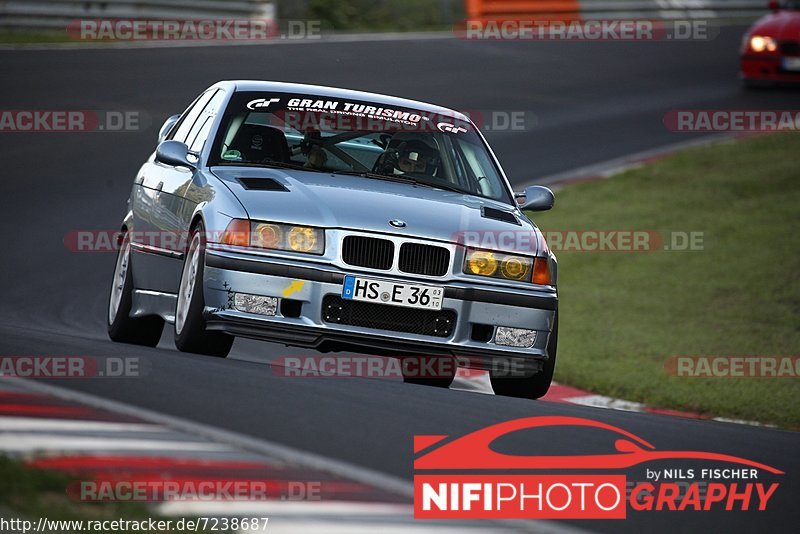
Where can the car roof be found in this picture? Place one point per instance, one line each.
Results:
(335, 92)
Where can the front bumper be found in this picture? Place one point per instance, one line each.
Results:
(763, 68)
(307, 284)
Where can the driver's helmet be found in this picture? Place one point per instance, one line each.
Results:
(410, 156)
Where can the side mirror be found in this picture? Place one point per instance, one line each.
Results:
(174, 153)
(774, 6)
(537, 198)
(166, 127)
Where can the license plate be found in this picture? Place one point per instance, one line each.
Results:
(791, 63)
(383, 292)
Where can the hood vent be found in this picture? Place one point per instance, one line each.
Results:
(499, 215)
(262, 184)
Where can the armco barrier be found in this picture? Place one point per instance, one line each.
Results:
(567, 10)
(57, 14)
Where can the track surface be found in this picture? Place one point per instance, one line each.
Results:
(592, 102)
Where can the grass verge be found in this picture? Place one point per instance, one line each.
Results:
(34, 493)
(623, 314)
(33, 37)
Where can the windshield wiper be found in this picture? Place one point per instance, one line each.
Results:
(376, 176)
(402, 179)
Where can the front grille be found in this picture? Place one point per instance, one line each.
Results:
(368, 252)
(790, 48)
(337, 310)
(424, 259)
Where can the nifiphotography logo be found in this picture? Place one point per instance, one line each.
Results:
(467, 478)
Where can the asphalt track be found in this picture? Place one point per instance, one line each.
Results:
(585, 103)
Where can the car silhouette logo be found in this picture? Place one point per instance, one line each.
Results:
(474, 451)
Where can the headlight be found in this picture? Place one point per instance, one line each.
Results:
(275, 236)
(287, 237)
(514, 268)
(266, 235)
(498, 265)
(480, 263)
(762, 43)
(303, 239)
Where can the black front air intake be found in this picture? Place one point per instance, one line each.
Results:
(434, 323)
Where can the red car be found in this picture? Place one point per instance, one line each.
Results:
(771, 47)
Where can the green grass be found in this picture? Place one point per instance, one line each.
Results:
(33, 493)
(34, 36)
(387, 15)
(622, 314)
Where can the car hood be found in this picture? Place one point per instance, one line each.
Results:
(783, 25)
(356, 203)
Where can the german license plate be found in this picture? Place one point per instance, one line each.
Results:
(384, 292)
(791, 63)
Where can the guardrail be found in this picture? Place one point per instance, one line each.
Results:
(57, 14)
(613, 9)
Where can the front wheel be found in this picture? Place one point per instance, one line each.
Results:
(190, 324)
(533, 387)
(121, 326)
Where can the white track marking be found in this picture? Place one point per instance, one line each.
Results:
(742, 422)
(389, 483)
(37, 424)
(26, 442)
(302, 509)
(600, 401)
(287, 454)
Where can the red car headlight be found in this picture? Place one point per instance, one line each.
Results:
(762, 43)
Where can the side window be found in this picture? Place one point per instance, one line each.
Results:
(202, 126)
(190, 117)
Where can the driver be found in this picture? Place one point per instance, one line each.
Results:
(409, 156)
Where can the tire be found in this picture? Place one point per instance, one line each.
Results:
(444, 369)
(533, 387)
(121, 326)
(190, 324)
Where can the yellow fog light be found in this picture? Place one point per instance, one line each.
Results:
(481, 263)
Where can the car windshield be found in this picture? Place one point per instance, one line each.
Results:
(345, 136)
